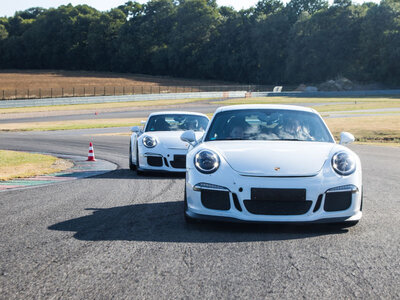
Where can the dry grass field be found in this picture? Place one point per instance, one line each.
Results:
(47, 83)
(33, 79)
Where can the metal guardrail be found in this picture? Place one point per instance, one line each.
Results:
(372, 93)
(93, 91)
(111, 99)
(201, 95)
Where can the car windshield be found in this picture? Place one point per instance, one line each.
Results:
(268, 124)
(176, 122)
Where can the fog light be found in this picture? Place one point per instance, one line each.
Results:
(344, 188)
(208, 186)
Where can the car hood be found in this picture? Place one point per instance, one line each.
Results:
(171, 139)
(274, 158)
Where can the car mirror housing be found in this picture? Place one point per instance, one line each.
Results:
(189, 137)
(346, 138)
(136, 129)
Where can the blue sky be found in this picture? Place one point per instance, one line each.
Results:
(9, 7)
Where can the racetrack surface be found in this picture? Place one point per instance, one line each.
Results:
(206, 107)
(122, 236)
(126, 112)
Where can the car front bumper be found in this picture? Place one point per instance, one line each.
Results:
(173, 160)
(321, 198)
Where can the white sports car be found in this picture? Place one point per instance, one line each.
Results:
(271, 163)
(158, 146)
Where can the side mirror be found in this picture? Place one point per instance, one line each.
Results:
(346, 138)
(189, 137)
(143, 122)
(136, 129)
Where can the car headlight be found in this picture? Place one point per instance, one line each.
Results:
(343, 163)
(206, 161)
(149, 141)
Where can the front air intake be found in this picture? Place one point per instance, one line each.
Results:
(179, 162)
(215, 199)
(337, 201)
(154, 161)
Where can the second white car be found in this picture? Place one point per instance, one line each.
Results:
(158, 147)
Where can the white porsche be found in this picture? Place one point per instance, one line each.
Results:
(271, 163)
(158, 147)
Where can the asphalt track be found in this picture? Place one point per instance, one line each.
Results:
(122, 236)
(206, 107)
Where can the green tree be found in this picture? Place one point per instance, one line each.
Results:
(297, 7)
(325, 45)
(3, 32)
(380, 43)
(102, 39)
(196, 23)
(270, 38)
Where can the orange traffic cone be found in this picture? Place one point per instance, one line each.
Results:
(91, 153)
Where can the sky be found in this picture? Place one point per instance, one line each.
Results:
(9, 7)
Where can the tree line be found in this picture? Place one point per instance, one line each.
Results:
(271, 43)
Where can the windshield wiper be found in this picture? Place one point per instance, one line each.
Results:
(288, 140)
(234, 139)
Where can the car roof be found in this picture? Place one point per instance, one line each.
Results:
(265, 106)
(177, 113)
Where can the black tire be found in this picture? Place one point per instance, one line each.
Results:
(350, 223)
(345, 224)
(131, 165)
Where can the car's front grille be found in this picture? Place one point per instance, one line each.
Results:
(277, 202)
(278, 194)
(154, 161)
(179, 162)
(284, 208)
(337, 201)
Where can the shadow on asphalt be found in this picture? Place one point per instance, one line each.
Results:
(164, 222)
(129, 174)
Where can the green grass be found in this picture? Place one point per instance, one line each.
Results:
(359, 106)
(15, 164)
(70, 125)
(297, 100)
(374, 129)
(77, 126)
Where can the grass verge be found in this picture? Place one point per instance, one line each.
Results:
(294, 100)
(359, 106)
(14, 164)
(371, 129)
(70, 125)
